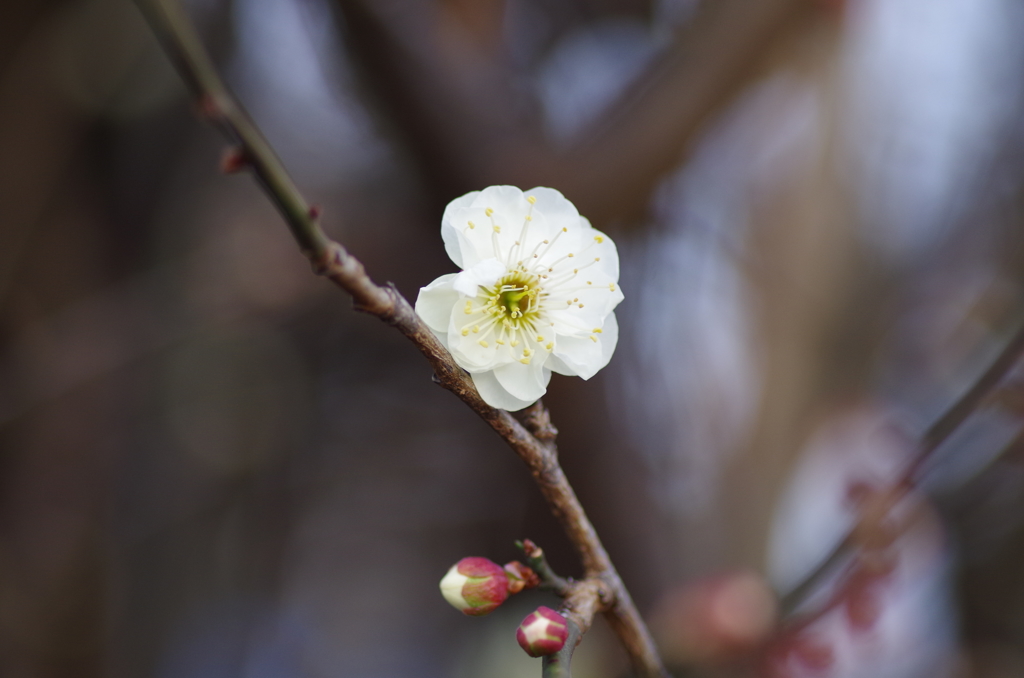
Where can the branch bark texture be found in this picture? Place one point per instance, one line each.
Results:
(330, 259)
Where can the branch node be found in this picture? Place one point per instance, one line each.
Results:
(537, 421)
(329, 261)
(539, 563)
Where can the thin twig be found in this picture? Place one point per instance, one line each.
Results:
(330, 259)
(931, 439)
(583, 599)
(538, 562)
(958, 412)
(559, 665)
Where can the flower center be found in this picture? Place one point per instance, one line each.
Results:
(515, 298)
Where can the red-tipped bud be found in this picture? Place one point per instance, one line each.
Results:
(543, 632)
(233, 160)
(475, 586)
(520, 577)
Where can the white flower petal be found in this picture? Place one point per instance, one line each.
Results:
(598, 300)
(435, 301)
(506, 200)
(481, 235)
(495, 395)
(450, 229)
(474, 351)
(553, 204)
(600, 247)
(609, 338)
(485, 274)
(555, 364)
(526, 382)
(584, 356)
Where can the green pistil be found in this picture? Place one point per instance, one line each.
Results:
(510, 300)
(514, 297)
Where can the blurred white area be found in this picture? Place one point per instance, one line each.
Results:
(295, 82)
(587, 70)
(932, 87)
(912, 114)
(691, 380)
(814, 513)
(915, 633)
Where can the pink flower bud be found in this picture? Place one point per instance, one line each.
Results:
(543, 632)
(475, 586)
(520, 577)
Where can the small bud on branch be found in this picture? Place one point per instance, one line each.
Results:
(520, 577)
(233, 160)
(543, 632)
(475, 586)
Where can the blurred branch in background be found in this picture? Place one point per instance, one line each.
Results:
(445, 76)
(973, 398)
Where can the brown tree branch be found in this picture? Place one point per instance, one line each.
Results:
(330, 259)
(582, 601)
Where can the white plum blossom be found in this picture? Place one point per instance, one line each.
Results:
(536, 294)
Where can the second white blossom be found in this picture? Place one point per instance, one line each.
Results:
(536, 294)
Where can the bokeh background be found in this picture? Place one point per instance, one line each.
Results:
(211, 466)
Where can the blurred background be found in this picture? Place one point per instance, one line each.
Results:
(210, 466)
